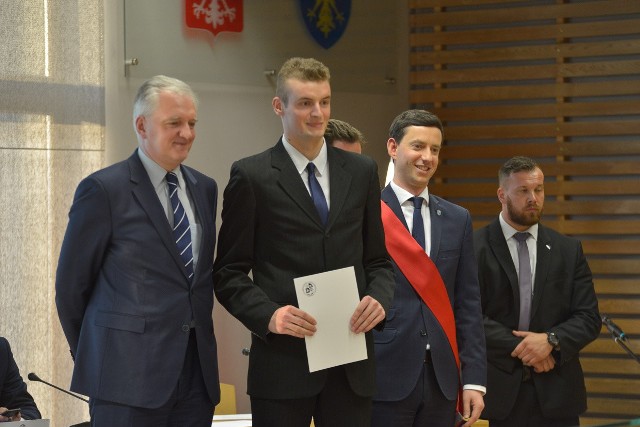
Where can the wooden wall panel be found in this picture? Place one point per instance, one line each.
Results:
(559, 81)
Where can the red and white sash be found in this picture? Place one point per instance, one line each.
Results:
(421, 273)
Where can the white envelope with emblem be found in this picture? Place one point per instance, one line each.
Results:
(331, 298)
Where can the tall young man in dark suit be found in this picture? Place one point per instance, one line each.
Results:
(13, 390)
(272, 228)
(419, 367)
(539, 305)
(134, 287)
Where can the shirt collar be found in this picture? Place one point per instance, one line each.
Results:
(301, 162)
(403, 195)
(156, 172)
(509, 231)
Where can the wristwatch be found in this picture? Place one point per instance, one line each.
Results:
(553, 339)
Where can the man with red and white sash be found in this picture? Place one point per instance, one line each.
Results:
(431, 357)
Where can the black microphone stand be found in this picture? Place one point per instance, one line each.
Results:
(626, 348)
(34, 377)
(622, 342)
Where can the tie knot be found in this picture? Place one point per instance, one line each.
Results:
(417, 202)
(311, 168)
(172, 178)
(521, 236)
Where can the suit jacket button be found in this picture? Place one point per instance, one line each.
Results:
(185, 328)
(423, 333)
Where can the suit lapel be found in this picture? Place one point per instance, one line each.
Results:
(501, 252)
(436, 214)
(144, 192)
(389, 197)
(291, 182)
(199, 210)
(543, 262)
(339, 184)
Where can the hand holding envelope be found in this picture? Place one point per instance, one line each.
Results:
(290, 320)
(368, 314)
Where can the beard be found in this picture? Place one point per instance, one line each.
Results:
(525, 219)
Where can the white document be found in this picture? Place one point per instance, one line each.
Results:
(234, 420)
(331, 298)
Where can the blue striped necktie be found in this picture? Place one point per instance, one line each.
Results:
(181, 229)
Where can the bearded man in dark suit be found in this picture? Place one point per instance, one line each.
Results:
(539, 306)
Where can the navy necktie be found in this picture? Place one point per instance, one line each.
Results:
(524, 281)
(317, 195)
(418, 223)
(181, 229)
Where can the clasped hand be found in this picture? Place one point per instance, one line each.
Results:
(534, 350)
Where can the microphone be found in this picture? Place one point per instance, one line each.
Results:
(34, 377)
(613, 328)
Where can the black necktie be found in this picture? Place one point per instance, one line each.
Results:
(317, 195)
(418, 223)
(181, 229)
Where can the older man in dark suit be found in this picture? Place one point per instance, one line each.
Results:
(297, 209)
(134, 288)
(539, 305)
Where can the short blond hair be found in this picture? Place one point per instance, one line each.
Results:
(305, 69)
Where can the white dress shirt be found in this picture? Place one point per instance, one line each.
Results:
(321, 163)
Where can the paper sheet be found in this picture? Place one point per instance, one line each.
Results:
(331, 298)
(234, 420)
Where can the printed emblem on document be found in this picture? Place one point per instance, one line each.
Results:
(309, 289)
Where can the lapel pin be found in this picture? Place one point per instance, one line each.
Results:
(438, 212)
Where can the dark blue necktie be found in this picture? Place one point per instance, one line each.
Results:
(181, 229)
(418, 223)
(317, 195)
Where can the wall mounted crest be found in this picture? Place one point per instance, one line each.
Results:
(214, 15)
(326, 20)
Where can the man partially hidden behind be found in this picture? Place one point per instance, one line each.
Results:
(342, 135)
(539, 305)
